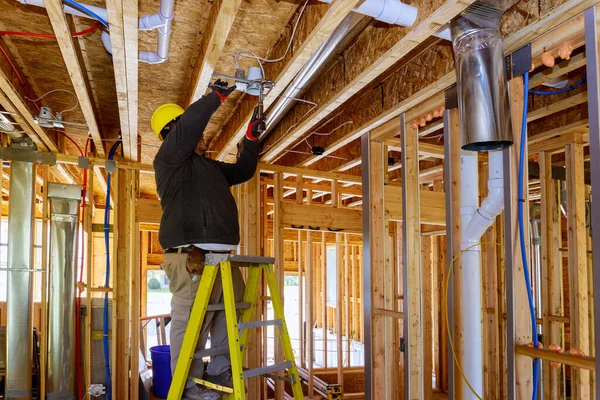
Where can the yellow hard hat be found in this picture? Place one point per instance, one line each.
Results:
(163, 115)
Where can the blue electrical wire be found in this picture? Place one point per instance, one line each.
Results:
(87, 11)
(111, 155)
(567, 89)
(522, 236)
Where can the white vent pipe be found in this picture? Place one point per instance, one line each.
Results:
(474, 222)
(388, 11)
(162, 21)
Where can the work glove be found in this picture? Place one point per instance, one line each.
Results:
(222, 89)
(256, 127)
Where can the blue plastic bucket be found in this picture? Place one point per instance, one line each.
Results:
(161, 370)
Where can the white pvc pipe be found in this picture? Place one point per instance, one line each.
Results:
(475, 221)
(388, 11)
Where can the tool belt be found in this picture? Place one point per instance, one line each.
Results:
(196, 258)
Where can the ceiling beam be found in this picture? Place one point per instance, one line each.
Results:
(67, 48)
(558, 70)
(125, 64)
(558, 106)
(430, 19)
(223, 13)
(336, 12)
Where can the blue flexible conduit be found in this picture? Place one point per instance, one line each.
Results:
(536, 367)
(87, 11)
(111, 155)
(567, 89)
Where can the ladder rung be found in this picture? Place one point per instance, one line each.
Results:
(251, 373)
(212, 352)
(259, 324)
(221, 306)
(212, 259)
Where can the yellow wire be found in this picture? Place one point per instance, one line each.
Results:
(446, 306)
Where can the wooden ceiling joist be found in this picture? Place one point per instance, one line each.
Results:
(125, 62)
(558, 70)
(572, 101)
(35, 134)
(12, 101)
(67, 48)
(430, 20)
(222, 17)
(332, 18)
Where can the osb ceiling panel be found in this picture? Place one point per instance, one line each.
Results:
(258, 27)
(166, 82)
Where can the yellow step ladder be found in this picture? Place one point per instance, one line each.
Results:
(237, 333)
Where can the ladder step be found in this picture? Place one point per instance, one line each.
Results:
(259, 324)
(213, 259)
(212, 352)
(221, 306)
(251, 373)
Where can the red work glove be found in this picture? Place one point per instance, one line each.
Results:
(256, 127)
(222, 89)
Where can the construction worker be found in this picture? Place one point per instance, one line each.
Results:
(199, 216)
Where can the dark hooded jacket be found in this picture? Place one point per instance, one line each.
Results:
(194, 191)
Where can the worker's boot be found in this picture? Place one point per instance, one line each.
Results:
(200, 393)
(223, 379)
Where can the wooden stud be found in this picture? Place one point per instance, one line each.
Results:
(324, 283)
(301, 304)
(299, 189)
(552, 288)
(578, 269)
(523, 371)
(44, 265)
(427, 300)
(122, 279)
(134, 286)
(338, 306)
(347, 297)
(377, 242)
(412, 253)
(280, 263)
(309, 312)
(67, 48)
(89, 217)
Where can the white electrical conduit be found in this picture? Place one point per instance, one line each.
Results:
(474, 222)
(161, 21)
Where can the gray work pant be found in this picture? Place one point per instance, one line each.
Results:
(184, 286)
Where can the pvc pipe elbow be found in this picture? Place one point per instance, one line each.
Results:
(151, 58)
(150, 22)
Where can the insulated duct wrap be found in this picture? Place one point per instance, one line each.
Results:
(64, 209)
(19, 321)
(481, 78)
